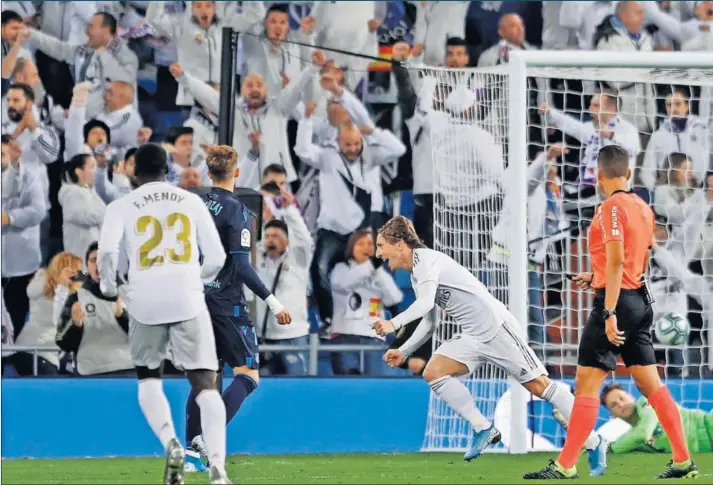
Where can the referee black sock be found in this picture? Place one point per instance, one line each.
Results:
(236, 393)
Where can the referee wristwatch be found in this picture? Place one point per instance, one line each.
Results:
(607, 313)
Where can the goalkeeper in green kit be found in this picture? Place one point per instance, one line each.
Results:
(646, 434)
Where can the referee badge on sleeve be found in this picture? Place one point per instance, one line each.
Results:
(245, 238)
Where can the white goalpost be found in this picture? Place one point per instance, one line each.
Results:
(517, 218)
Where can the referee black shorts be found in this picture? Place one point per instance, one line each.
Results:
(634, 318)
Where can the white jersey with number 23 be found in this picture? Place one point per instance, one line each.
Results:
(164, 231)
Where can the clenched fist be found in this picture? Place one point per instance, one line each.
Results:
(383, 327)
(394, 358)
(284, 318)
(176, 70)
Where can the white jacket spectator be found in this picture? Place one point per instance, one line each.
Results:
(675, 186)
(697, 233)
(278, 62)
(38, 144)
(103, 59)
(82, 208)
(360, 292)
(624, 32)
(286, 248)
(349, 26)
(681, 132)
(344, 209)
(95, 328)
(256, 113)
(605, 128)
(23, 209)
(436, 22)
(198, 36)
(473, 160)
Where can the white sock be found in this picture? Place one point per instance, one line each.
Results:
(457, 396)
(560, 397)
(213, 424)
(154, 405)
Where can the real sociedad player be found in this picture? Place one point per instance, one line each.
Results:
(235, 337)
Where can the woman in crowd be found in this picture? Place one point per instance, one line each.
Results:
(95, 328)
(41, 327)
(82, 208)
(361, 289)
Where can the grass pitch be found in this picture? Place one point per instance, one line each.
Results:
(389, 469)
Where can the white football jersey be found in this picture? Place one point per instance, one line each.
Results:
(460, 294)
(163, 230)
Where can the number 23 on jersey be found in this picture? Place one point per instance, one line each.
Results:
(181, 223)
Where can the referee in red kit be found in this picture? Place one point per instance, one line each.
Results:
(620, 321)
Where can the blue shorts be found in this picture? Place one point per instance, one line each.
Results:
(236, 341)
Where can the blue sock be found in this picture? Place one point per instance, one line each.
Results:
(236, 393)
(193, 418)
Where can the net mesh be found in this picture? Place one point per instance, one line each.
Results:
(572, 113)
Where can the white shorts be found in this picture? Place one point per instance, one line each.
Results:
(507, 350)
(192, 343)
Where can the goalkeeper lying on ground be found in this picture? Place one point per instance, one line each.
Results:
(646, 434)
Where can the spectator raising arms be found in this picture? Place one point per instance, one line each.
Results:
(256, 112)
(198, 37)
(103, 59)
(348, 175)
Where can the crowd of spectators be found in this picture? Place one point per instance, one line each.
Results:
(333, 147)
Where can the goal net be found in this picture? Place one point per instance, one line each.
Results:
(514, 194)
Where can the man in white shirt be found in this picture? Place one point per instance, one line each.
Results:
(258, 111)
(163, 231)
(468, 181)
(487, 332)
(39, 143)
(121, 116)
(347, 181)
(283, 264)
(605, 128)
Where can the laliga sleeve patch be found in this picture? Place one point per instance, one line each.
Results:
(245, 238)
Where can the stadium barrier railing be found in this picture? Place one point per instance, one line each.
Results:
(313, 349)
